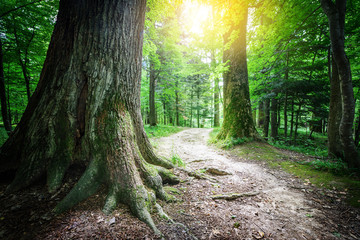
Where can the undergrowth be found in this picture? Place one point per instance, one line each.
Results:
(161, 130)
(227, 143)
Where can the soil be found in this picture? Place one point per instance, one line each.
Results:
(271, 204)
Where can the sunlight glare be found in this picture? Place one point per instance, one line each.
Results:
(196, 14)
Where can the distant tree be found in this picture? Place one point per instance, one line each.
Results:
(238, 121)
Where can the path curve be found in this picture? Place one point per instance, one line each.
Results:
(279, 211)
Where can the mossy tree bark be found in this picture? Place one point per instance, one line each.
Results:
(238, 121)
(335, 12)
(87, 108)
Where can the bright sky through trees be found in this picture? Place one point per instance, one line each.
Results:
(195, 14)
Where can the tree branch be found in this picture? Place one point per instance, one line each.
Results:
(17, 8)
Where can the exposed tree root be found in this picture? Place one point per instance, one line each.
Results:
(233, 196)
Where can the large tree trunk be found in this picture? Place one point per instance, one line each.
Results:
(152, 114)
(336, 17)
(4, 112)
(87, 108)
(238, 121)
(335, 149)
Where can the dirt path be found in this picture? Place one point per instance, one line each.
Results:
(282, 208)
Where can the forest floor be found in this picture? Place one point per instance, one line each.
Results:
(263, 202)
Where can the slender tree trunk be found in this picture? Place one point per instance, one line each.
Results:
(4, 112)
(216, 94)
(292, 116)
(24, 62)
(86, 108)
(238, 121)
(261, 115)
(267, 118)
(164, 107)
(152, 84)
(336, 17)
(177, 102)
(285, 115)
(274, 123)
(298, 118)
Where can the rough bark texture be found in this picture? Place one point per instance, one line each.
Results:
(87, 108)
(335, 149)
(238, 121)
(4, 113)
(336, 17)
(152, 114)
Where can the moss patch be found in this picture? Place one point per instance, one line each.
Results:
(172, 190)
(326, 180)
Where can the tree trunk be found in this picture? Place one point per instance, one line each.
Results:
(285, 115)
(152, 83)
(336, 16)
(24, 63)
(357, 130)
(238, 121)
(4, 112)
(87, 108)
(177, 102)
(261, 115)
(274, 123)
(267, 117)
(335, 149)
(292, 116)
(216, 94)
(298, 118)
(164, 106)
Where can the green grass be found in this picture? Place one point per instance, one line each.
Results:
(227, 143)
(161, 130)
(326, 179)
(316, 146)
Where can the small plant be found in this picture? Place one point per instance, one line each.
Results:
(337, 167)
(176, 160)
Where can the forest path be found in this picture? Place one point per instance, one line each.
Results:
(280, 210)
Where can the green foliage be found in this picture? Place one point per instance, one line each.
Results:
(337, 167)
(3, 135)
(176, 160)
(161, 130)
